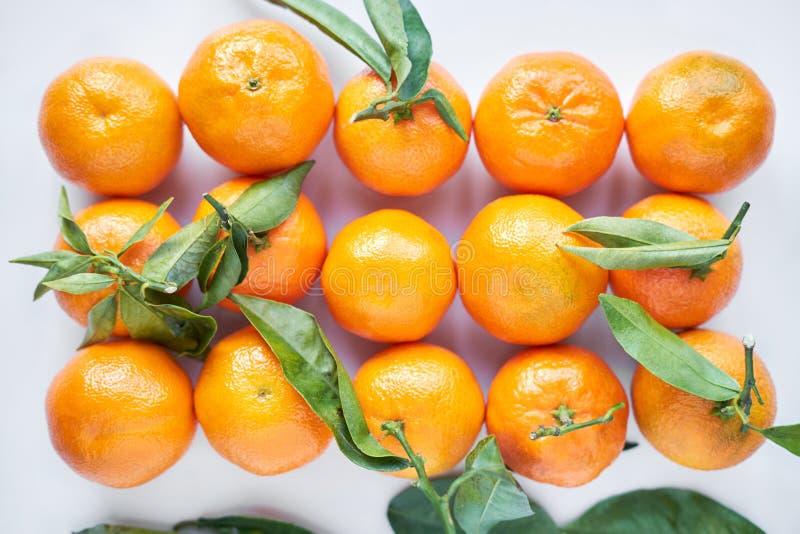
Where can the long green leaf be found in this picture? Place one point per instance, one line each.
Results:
(660, 511)
(681, 254)
(225, 277)
(665, 354)
(445, 110)
(239, 241)
(209, 263)
(787, 437)
(623, 232)
(70, 231)
(420, 50)
(387, 19)
(102, 318)
(344, 31)
(178, 258)
(266, 204)
(144, 229)
(46, 259)
(63, 269)
(82, 283)
(242, 525)
(315, 371)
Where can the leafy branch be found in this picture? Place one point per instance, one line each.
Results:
(563, 415)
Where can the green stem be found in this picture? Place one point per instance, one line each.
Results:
(564, 416)
(553, 114)
(736, 224)
(384, 108)
(440, 502)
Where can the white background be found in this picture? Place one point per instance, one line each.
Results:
(39, 494)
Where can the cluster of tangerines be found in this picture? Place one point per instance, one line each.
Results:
(256, 96)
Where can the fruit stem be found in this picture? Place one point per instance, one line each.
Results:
(385, 107)
(564, 416)
(253, 84)
(554, 114)
(440, 502)
(736, 224)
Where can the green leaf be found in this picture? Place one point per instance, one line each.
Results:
(445, 110)
(266, 204)
(70, 231)
(144, 229)
(242, 525)
(665, 354)
(225, 277)
(387, 19)
(489, 493)
(102, 318)
(209, 263)
(81, 283)
(46, 259)
(622, 232)
(344, 31)
(312, 367)
(660, 511)
(681, 254)
(165, 322)
(239, 242)
(62, 269)
(178, 258)
(420, 50)
(787, 437)
(118, 529)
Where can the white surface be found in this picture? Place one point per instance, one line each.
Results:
(39, 494)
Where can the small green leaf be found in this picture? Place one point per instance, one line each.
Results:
(81, 283)
(660, 511)
(622, 232)
(387, 19)
(242, 525)
(344, 31)
(193, 331)
(144, 229)
(118, 529)
(46, 259)
(225, 277)
(681, 254)
(102, 318)
(420, 50)
(445, 110)
(312, 367)
(209, 263)
(266, 204)
(239, 241)
(178, 258)
(665, 354)
(70, 231)
(489, 493)
(63, 269)
(787, 436)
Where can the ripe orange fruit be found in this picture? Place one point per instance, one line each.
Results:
(405, 158)
(389, 277)
(515, 281)
(548, 123)
(671, 296)
(433, 392)
(111, 126)
(120, 413)
(681, 426)
(256, 96)
(108, 225)
(535, 383)
(286, 269)
(250, 413)
(700, 123)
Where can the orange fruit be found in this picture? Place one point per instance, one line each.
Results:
(109, 225)
(111, 126)
(405, 158)
(548, 123)
(536, 382)
(120, 413)
(671, 296)
(433, 392)
(256, 96)
(681, 426)
(286, 269)
(700, 123)
(516, 282)
(250, 413)
(389, 277)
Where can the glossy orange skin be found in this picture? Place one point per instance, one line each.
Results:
(526, 151)
(516, 282)
(111, 126)
(408, 158)
(108, 225)
(389, 277)
(680, 425)
(670, 295)
(250, 413)
(700, 123)
(537, 381)
(433, 392)
(287, 269)
(275, 126)
(120, 413)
